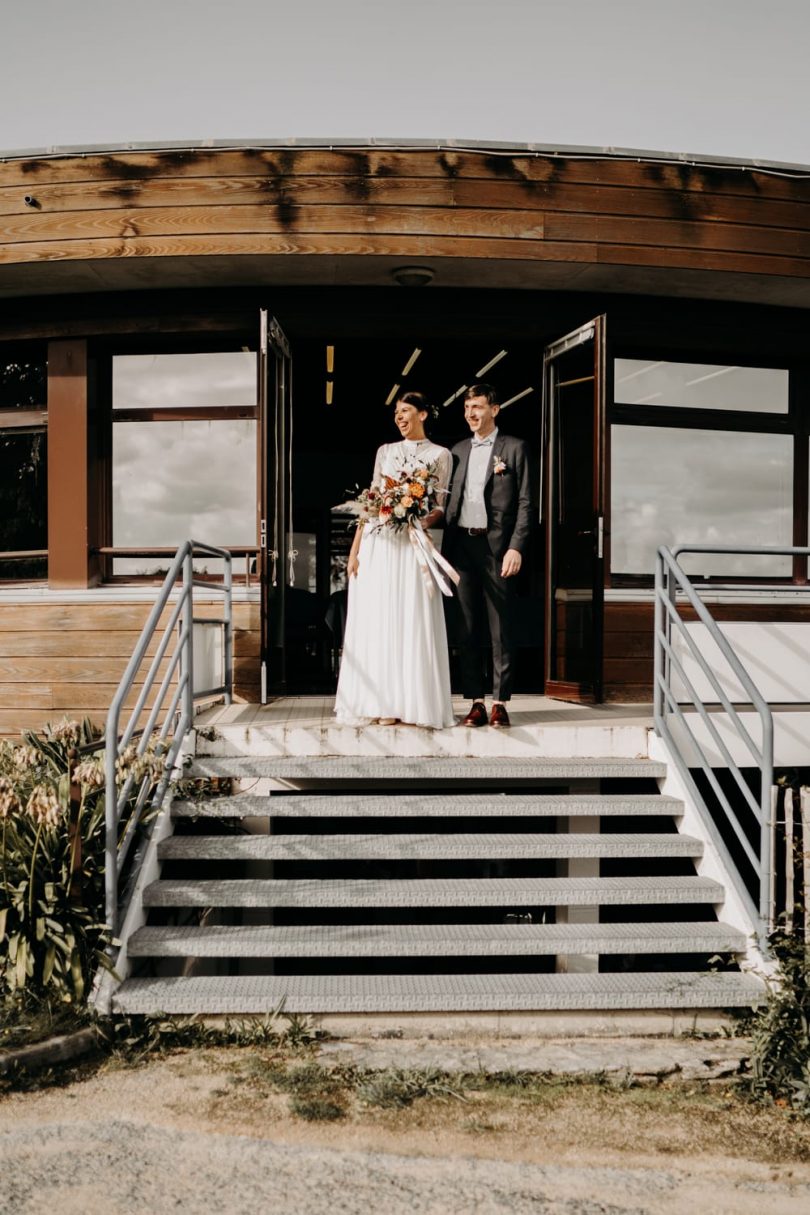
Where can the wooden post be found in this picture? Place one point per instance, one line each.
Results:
(68, 465)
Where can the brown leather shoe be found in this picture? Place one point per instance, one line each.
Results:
(477, 715)
(499, 717)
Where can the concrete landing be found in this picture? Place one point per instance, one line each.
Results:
(305, 725)
(643, 1058)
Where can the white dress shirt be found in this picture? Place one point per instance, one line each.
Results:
(473, 508)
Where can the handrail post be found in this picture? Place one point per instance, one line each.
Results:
(658, 649)
(188, 629)
(766, 871)
(111, 821)
(227, 672)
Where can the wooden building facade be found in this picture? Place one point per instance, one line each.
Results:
(202, 341)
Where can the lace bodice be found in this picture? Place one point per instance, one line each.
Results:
(393, 459)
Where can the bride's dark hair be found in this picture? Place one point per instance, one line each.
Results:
(420, 401)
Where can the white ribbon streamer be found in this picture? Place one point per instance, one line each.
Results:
(432, 564)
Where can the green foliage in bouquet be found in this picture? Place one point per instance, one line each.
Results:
(52, 801)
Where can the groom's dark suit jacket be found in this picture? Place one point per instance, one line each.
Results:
(507, 495)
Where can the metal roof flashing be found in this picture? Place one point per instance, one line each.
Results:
(564, 151)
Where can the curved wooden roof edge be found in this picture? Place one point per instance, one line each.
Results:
(348, 211)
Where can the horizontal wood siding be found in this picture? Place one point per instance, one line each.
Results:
(404, 203)
(67, 659)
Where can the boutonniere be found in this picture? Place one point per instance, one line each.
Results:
(499, 466)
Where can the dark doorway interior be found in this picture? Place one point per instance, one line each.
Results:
(336, 431)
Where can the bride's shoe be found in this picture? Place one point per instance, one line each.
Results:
(387, 721)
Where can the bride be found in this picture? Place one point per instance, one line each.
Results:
(395, 665)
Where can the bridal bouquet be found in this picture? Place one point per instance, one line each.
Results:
(400, 502)
(397, 502)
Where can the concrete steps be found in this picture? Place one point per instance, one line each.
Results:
(435, 993)
(540, 851)
(303, 893)
(432, 940)
(456, 847)
(467, 805)
(431, 769)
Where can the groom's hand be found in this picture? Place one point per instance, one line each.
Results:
(511, 563)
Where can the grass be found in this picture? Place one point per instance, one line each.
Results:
(514, 1110)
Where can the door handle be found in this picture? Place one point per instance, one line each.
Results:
(598, 534)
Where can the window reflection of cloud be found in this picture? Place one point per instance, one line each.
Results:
(701, 386)
(672, 486)
(172, 480)
(164, 380)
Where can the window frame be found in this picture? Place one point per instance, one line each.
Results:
(795, 422)
(17, 422)
(218, 341)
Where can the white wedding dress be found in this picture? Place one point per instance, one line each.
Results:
(395, 661)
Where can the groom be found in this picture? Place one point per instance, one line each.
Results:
(487, 524)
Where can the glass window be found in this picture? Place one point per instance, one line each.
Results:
(23, 502)
(701, 386)
(176, 381)
(174, 481)
(671, 486)
(23, 460)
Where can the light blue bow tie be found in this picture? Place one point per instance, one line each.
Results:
(483, 442)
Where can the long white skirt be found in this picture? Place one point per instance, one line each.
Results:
(395, 661)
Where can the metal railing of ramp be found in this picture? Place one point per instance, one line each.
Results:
(167, 670)
(674, 588)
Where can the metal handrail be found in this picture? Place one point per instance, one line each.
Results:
(177, 704)
(670, 581)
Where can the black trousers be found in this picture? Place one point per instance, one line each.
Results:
(483, 598)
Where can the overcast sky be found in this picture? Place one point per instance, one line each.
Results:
(721, 77)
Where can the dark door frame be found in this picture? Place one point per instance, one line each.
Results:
(594, 332)
(273, 497)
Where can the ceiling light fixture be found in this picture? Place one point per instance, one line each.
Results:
(410, 362)
(483, 370)
(413, 276)
(512, 400)
(456, 394)
(392, 395)
(330, 359)
(330, 389)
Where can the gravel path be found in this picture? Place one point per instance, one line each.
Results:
(123, 1168)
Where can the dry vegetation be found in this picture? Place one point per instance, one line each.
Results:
(281, 1092)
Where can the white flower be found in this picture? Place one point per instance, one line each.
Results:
(399, 511)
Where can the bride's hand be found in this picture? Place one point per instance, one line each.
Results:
(352, 566)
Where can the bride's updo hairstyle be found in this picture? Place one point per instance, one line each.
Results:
(420, 401)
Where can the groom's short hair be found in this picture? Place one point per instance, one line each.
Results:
(482, 390)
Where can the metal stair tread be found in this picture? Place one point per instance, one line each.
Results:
(437, 993)
(307, 805)
(431, 892)
(432, 940)
(502, 846)
(322, 768)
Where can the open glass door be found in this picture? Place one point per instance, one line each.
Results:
(274, 498)
(574, 505)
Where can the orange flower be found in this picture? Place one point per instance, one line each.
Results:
(406, 501)
(416, 490)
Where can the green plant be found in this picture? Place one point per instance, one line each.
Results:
(52, 838)
(316, 1109)
(780, 1031)
(132, 1039)
(396, 1089)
